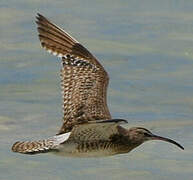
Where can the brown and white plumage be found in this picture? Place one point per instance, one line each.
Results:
(87, 126)
(83, 79)
(97, 139)
(39, 146)
(89, 138)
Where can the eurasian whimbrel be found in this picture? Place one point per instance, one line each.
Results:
(88, 127)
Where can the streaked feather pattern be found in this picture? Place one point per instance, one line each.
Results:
(45, 145)
(32, 146)
(83, 79)
(87, 127)
(96, 139)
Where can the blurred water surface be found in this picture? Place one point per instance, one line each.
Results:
(147, 48)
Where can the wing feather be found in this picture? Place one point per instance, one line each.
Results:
(83, 79)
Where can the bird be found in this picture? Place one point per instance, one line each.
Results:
(88, 128)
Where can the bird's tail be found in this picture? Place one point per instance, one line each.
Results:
(40, 146)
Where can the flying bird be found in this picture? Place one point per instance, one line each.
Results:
(88, 128)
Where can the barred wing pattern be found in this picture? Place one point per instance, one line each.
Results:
(83, 79)
(40, 146)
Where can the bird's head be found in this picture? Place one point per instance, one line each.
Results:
(139, 135)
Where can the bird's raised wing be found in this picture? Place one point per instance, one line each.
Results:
(84, 80)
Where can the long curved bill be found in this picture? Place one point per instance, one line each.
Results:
(155, 137)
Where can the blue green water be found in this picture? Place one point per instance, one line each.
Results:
(147, 48)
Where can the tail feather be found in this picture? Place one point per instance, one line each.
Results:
(33, 146)
(40, 146)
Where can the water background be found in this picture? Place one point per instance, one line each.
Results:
(147, 48)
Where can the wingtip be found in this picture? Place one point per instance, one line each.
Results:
(38, 18)
(39, 15)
